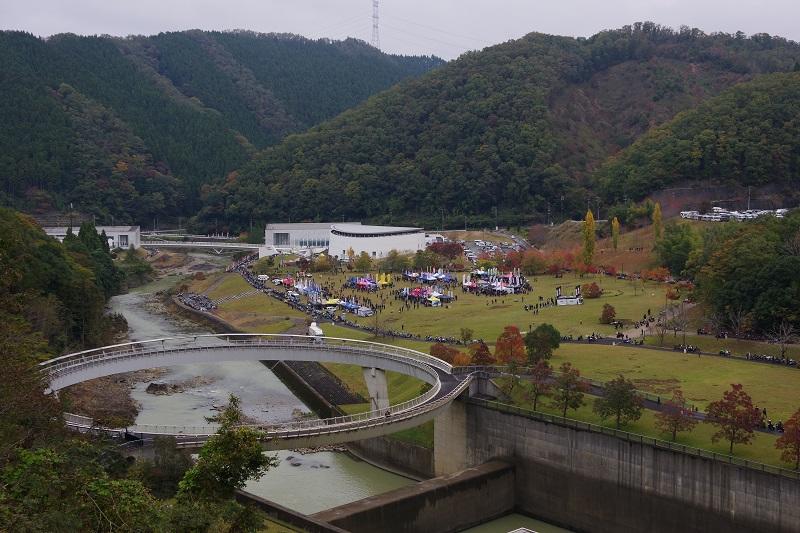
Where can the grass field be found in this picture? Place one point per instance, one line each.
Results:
(487, 316)
(702, 379)
(761, 450)
(709, 343)
(256, 313)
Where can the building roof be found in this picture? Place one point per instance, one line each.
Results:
(75, 229)
(357, 230)
(305, 225)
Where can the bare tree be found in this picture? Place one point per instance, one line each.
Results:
(679, 321)
(783, 334)
(718, 321)
(662, 325)
(737, 317)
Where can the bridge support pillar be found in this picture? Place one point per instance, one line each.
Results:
(450, 440)
(484, 387)
(377, 387)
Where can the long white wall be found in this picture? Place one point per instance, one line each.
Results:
(376, 246)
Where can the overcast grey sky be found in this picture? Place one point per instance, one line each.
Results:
(442, 27)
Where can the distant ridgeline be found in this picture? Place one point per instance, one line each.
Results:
(132, 128)
(523, 126)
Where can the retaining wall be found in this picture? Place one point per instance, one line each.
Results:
(442, 505)
(590, 481)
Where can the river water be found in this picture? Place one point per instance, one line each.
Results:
(316, 482)
(305, 483)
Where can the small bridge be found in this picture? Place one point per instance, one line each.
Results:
(445, 383)
(217, 247)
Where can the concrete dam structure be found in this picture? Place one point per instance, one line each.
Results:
(588, 480)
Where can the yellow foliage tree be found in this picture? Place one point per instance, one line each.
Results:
(657, 221)
(588, 238)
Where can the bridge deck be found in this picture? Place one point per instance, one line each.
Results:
(445, 385)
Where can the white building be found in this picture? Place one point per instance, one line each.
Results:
(299, 236)
(118, 236)
(377, 241)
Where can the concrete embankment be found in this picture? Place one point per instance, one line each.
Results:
(284, 514)
(592, 481)
(443, 504)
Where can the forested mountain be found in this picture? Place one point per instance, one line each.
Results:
(517, 126)
(749, 134)
(132, 128)
(54, 294)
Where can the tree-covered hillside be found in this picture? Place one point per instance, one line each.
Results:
(517, 126)
(132, 128)
(749, 134)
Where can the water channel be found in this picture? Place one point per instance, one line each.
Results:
(306, 483)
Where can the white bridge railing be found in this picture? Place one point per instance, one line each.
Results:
(186, 345)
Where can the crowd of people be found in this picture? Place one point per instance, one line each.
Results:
(320, 313)
(774, 359)
(200, 302)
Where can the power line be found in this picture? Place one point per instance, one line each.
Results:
(340, 24)
(467, 37)
(460, 46)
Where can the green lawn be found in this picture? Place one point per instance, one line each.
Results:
(702, 379)
(488, 316)
(709, 343)
(761, 450)
(231, 284)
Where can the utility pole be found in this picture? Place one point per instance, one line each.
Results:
(376, 39)
(748, 197)
(495, 218)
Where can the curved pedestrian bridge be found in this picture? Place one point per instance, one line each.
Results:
(445, 384)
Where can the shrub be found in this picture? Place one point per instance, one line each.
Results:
(608, 314)
(591, 290)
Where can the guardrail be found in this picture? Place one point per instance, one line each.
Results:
(88, 358)
(635, 437)
(365, 420)
(168, 344)
(200, 244)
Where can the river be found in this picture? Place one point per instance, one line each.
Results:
(318, 481)
(305, 483)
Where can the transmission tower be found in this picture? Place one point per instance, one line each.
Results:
(376, 39)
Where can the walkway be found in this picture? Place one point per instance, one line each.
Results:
(445, 385)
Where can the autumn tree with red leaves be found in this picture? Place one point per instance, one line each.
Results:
(789, 442)
(674, 416)
(510, 346)
(444, 352)
(450, 250)
(541, 381)
(481, 356)
(735, 417)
